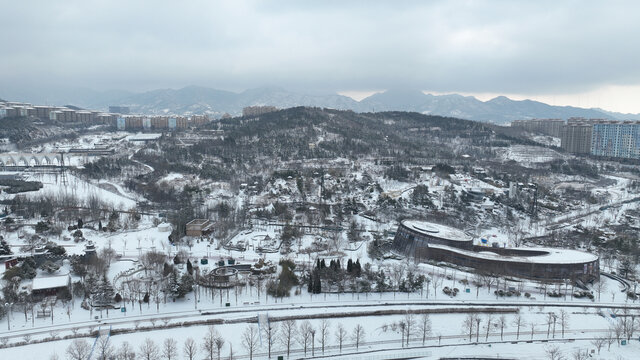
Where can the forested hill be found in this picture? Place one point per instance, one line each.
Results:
(322, 133)
(304, 133)
(254, 147)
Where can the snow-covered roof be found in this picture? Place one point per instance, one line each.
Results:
(50, 282)
(543, 256)
(437, 230)
(143, 137)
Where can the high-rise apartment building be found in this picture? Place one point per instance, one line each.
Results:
(551, 127)
(615, 139)
(575, 137)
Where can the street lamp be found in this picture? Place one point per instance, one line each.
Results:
(195, 296)
(8, 307)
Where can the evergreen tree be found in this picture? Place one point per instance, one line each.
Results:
(186, 285)
(174, 283)
(317, 284)
(380, 284)
(189, 267)
(91, 284)
(166, 270)
(4, 248)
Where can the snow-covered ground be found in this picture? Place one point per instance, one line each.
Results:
(588, 318)
(527, 155)
(80, 189)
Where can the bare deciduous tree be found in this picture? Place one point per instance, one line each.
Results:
(436, 282)
(532, 326)
(104, 350)
(358, 335)
(599, 343)
(488, 326)
(79, 349)
(469, 324)
(610, 338)
(250, 339)
(410, 324)
(324, 333)
(170, 349)
(287, 329)
(550, 320)
(600, 287)
(502, 322)
(341, 335)
(424, 326)
(618, 330)
(564, 320)
(553, 353)
(397, 274)
(579, 354)
(149, 350)
(304, 335)
(190, 349)
(209, 342)
(219, 345)
(270, 334)
(477, 282)
(518, 322)
(126, 352)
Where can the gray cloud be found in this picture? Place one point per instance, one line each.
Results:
(464, 46)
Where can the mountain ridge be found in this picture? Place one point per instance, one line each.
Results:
(199, 99)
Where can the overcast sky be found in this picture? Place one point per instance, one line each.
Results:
(584, 53)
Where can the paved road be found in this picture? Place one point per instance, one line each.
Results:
(315, 310)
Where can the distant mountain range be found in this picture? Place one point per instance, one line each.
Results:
(195, 100)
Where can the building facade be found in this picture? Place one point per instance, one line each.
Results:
(122, 110)
(576, 137)
(551, 127)
(618, 140)
(199, 227)
(257, 110)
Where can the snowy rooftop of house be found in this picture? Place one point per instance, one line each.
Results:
(437, 230)
(143, 137)
(50, 282)
(545, 256)
(197, 222)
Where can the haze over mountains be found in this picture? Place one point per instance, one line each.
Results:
(195, 99)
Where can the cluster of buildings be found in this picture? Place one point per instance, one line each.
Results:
(250, 111)
(551, 127)
(115, 109)
(159, 122)
(117, 116)
(55, 113)
(597, 137)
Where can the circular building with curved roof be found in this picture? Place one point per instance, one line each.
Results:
(429, 241)
(415, 234)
